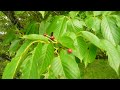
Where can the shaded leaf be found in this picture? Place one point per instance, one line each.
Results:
(32, 28)
(90, 54)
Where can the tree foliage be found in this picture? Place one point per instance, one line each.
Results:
(36, 55)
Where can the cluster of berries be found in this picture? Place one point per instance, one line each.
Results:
(53, 38)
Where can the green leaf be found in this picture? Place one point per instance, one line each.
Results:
(93, 23)
(41, 38)
(89, 13)
(14, 46)
(51, 74)
(72, 35)
(43, 27)
(73, 14)
(30, 70)
(117, 18)
(70, 26)
(97, 13)
(80, 48)
(77, 24)
(9, 37)
(106, 13)
(46, 57)
(13, 66)
(118, 48)
(67, 42)
(43, 13)
(109, 30)
(65, 66)
(91, 37)
(45, 24)
(58, 26)
(90, 54)
(57, 68)
(113, 54)
(32, 28)
(74, 25)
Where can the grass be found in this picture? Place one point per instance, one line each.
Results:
(99, 69)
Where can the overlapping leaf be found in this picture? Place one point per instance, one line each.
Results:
(65, 66)
(66, 41)
(109, 30)
(14, 46)
(36, 37)
(91, 37)
(73, 14)
(13, 66)
(113, 54)
(90, 54)
(46, 57)
(58, 26)
(32, 27)
(30, 70)
(43, 27)
(93, 23)
(80, 48)
(96, 13)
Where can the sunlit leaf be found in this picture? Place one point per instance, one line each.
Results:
(73, 14)
(80, 48)
(93, 23)
(96, 13)
(13, 66)
(46, 57)
(67, 42)
(109, 30)
(36, 37)
(91, 37)
(113, 54)
(30, 70)
(65, 66)
(58, 26)
(43, 13)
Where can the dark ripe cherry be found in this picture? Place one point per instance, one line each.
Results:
(69, 50)
(52, 37)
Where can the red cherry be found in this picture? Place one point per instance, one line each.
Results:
(69, 50)
(52, 37)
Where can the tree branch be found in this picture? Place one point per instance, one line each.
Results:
(13, 19)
